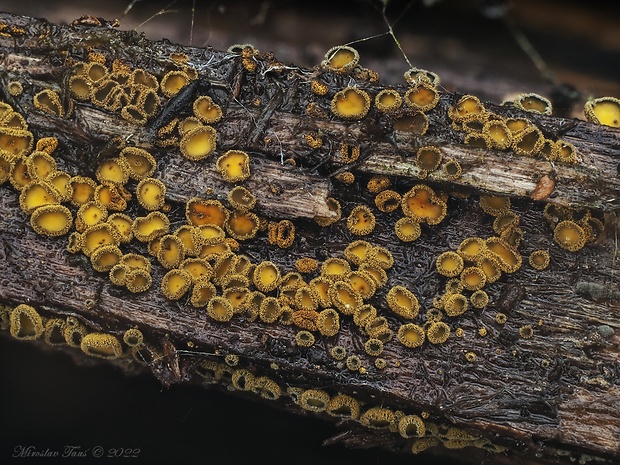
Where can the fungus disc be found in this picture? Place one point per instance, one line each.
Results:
(51, 220)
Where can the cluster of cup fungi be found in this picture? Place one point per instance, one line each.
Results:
(204, 260)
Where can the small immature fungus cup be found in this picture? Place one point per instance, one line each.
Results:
(350, 103)
(539, 259)
(428, 158)
(438, 332)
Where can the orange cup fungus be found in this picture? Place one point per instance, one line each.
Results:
(423, 205)
(422, 97)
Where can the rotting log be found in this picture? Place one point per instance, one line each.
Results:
(549, 398)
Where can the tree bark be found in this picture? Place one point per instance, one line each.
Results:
(551, 398)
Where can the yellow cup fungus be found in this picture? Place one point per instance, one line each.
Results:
(509, 257)
(407, 229)
(388, 100)
(97, 236)
(528, 142)
(473, 278)
(202, 293)
(411, 335)
(403, 302)
(206, 110)
(471, 248)
(25, 323)
(328, 322)
(18, 177)
(423, 205)
(89, 214)
(104, 258)
(140, 164)
(101, 345)
(15, 88)
(338, 352)
(363, 283)
(422, 97)
(376, 272)
(533, 102)
(266, 276)
(241, 198)
(449, 264)
(51, 220)
(373, 347)
(494, 205)
(497, 135)
(198, 143)
(83, 190)
(466, 105)
(138, 280)
(53, 334)
(173, 81)
(357, 252)
(37, 194)
(304, 338)
(455, 304)
(341, 59)
(344, 297)
(353, 363)
(334, 206)
(61, 181)
(479, 299)
(171, 251)
(335, 268)
(176, 283)
(569, 235)
(234, 166)
(350, 103)
(318, 87)
(387, 201)
(428, 158)
(604, 110)
(490, 264)
(123, 224)
(526, 332)
(151, 194)
(149, 227)
(344, 406)
(321, 285)
(377, 418)
(114, 170)
(133, 337)
(361, 221)
(48, 101)
(281, 233)
(411, 426)
(270, 310)
(40, 165)
(438, 332)
(198, 268)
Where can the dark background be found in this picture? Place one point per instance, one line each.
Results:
(49, 401)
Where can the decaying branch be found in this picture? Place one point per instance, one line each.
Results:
(540, 387)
